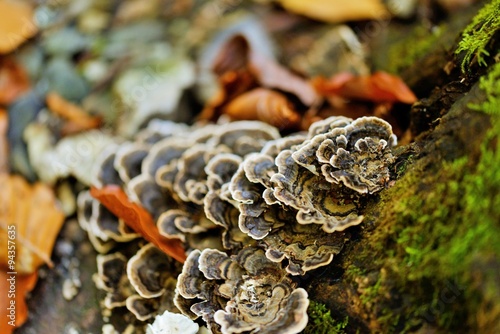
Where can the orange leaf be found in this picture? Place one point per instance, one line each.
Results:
(335, 11)
(16, 24)
(264, 105)
(4, 145)
(379, 87)
(138, 219)
(13, 308)
(32, 214)
(13, 80)
(78, 119)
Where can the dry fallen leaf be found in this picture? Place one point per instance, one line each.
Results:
(78, 119)
(16, 24)
(138, 219)
(13, 80)
(4, 145)
(32, 214)
(232, 84)
(23, 285)
(264, 105)
(336, 11)
(238, 55)
(379, 87)
(240, 69)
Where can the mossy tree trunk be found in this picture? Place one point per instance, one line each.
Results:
(426, 258)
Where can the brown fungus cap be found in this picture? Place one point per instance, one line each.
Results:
(144, 191)
(128, 160)
(244, 137)
(317, 201)
(163, 153)
(104, 172)
(305, 247)
(195, 295)
(85, 212)
(149, 270)
(261, 296)
(112, 277)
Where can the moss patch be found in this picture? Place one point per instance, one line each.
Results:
(431, 251)
(410, 48)
(321, 321)
(478, 34)
(490, 85)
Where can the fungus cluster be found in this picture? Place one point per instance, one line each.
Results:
(252, 208)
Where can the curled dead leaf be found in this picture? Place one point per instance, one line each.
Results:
(264, 105)
(23, 285)
(335, 11)
(232, 84)
(32, 213)
(78, 119)
(16, 24)
(13, 80)
(138, 219)
(379, 87)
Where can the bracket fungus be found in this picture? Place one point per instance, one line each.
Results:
(254, 294)
(251, 208)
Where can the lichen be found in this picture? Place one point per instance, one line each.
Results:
(477, 35)
(322, 322)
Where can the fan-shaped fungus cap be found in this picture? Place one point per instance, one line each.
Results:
(104, 172)
(111, 277)
(85, 210)
(163, 153)
(305, 247)
(261, 297)
(317, 201)
(148, 271)
(144, 191)
(158, 129)
(356, 154)
(128, 160)
(244, 137)
(146, 308)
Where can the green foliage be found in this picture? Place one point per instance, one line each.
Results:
(478, 34)
(321, 321)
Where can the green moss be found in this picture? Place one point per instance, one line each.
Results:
(321, 321)
(404, 53)
(478, 33)
(437, 239)
(490, 85)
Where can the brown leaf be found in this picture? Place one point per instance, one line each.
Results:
(237, 58)
(13, 80)
(232, 84)
(336, 11)
(264, 105)
(32, 213)
(16, 24)
(237, 55)
(138, 219)
(78, 119)
(23, 285)
(379, 87)
(4, 145)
